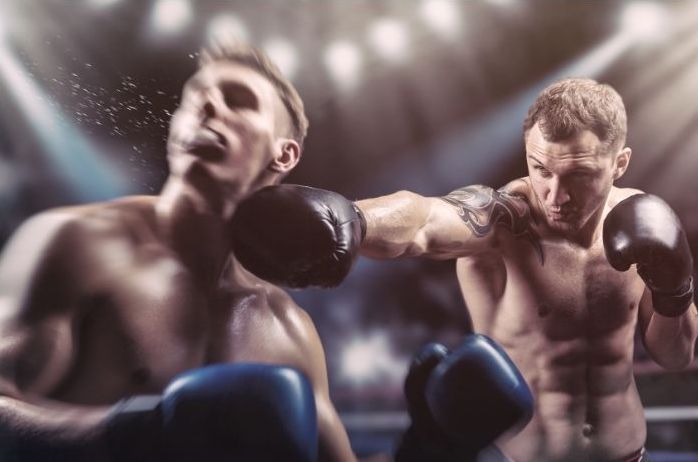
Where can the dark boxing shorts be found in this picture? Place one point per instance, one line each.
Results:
(492, 454)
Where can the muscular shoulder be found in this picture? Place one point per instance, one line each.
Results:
(305, 351)
(51, 249)
(296, 321)
(485, 209)
(41, 238)
(519, 188)
(619, 194)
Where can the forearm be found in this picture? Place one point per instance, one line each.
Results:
(393, 224)
(53, 427)
(671, 340)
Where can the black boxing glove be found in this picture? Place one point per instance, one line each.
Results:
(297, 236)
(644, 230)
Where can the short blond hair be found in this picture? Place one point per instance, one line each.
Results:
(240, 52)
(572, 105)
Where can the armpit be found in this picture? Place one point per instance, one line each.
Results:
(482, 209)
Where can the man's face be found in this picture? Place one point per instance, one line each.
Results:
(226, 130)
(571, 179)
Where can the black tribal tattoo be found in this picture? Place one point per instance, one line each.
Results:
(482, 208)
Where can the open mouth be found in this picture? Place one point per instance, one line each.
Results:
(207, 144)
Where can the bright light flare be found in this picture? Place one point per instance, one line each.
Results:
(227, 27)
(389, 38)
(442, 16)
(371, 360)
(344, 61)
(170, 16)
(645, 20)
(283, 54)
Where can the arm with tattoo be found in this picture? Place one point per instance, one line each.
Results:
(465, 222)
(483, 209)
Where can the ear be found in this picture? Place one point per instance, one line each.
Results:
(286, 155)
(621, 163)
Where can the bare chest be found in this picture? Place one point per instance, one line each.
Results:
(148, 320)
(575, 292)
(142, 321)
(572, 293)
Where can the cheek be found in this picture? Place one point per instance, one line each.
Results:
(539, 185)
(592, 193)
(182, 120)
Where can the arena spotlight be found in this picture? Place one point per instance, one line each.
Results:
(344, 61)
(227, 27)
(389, 38)
(170, 16)
(644, 20)
(284, 55)
(442, 16)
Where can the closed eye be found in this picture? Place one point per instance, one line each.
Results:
(542, 171)
(239, 96)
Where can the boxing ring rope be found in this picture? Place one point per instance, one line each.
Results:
(398, 420)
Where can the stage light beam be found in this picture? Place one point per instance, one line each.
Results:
(70, 154)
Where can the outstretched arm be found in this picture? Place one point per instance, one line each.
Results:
(465, 222)
(299, 236)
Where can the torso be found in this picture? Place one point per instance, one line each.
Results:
(143, 318)
(568, 323)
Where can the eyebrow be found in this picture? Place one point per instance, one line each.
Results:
(226, 86)
(535, 160)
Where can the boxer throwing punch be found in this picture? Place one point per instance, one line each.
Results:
(560, 267)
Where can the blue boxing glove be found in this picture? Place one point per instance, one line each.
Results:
(462, 402)
(226, 412)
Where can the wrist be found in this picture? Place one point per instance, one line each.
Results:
(362, 220)
(673, 304)
(133, 429)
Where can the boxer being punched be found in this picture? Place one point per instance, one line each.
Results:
(560, 267)
(106, 301)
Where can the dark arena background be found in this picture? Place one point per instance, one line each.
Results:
(424, 95)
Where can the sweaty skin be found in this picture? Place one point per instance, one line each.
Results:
(532, 269)
(109, 300)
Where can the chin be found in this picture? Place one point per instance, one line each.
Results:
(564, 226)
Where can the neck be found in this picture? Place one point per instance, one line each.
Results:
(194, 228)
(585, 236)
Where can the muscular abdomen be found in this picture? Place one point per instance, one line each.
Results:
(569, 327)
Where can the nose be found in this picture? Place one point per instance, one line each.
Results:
(557, 194)
(211, 105)
(209, 109)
